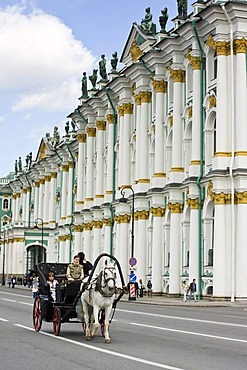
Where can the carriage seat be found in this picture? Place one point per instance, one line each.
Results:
(71, 290)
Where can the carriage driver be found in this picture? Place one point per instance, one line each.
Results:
(75, 270)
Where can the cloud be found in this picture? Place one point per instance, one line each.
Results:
(2, 119)
(41, 60)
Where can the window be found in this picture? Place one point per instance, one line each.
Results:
(5, 204)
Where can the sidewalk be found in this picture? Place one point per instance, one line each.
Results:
(163, 300)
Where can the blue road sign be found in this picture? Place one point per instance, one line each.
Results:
(132, 278)
(132, 261)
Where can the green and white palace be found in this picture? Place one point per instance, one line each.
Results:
(152, 163)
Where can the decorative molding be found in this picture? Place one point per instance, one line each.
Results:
(135, 51)
(240, 46)
(120, 110)
(177, 169)
(128, 108)
(53, 175)
(159, 174)
(212, 101)
(194, 61)
(145, 96)
(97, 224)
(178, 75)
(141, 215)
(87, 226)
(65, 168)
(137, 99)
(107, 221)
(48, 178)
(143, 181)
(192, 203)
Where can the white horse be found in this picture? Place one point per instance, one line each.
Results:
(100, 294)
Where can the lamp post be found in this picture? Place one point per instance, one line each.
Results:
(37, 221)
(132, 218)
(3, 279)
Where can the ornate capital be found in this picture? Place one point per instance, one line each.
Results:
(212, 101)
(120, 111)
(240, 46)
(97, 224)
(91, 131)
(110, 118)
(157, 211)
(194, 61)
(141, 215)
(53, 175)
(241, 198)
(128, 108)
(178, 75)
(48, 178)
(101, 125)
(176, 207)
(192, 203)
(107, 221)
(138, 100)
(145, 96)
(160, 86)
(87, 226)
(190, 112)
(42, 181)
(65, 168)
(78, 228)
(81, 138)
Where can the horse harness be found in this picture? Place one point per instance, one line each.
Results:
(103, 276)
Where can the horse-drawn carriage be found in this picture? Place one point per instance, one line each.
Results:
(97, 291)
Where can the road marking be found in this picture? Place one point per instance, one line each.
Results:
(1, 319)
(8, 300)
(136, 359)
(184, 318)
(26, 303)
(17, 295)
(190, 333)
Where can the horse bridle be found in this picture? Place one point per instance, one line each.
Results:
(99, 287)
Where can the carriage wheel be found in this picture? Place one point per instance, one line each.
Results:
(102, 321)
(56, 321)
(37, 316)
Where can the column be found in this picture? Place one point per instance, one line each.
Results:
(69, 207)
(24, 206)
(240, 101)
(64, 191)
(124, 250)
(158, 214)
(81, 138)
(159, 167)
(193, 247)
(125, 149)
(97, 239)
(78, 229)
(46, 200)
(177, 147)
(14, 207)
(52, 208)
(110, 158)
(196, 116)
(107, 235)
(141, 218)
(36, 200)
(87, 230)
(91, 133)
(241, 250)
(138, 136)
(120, 152)
(41, 197)
(144, 152)
(99, 186)
(175, 247)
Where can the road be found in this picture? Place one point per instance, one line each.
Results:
(143, 337)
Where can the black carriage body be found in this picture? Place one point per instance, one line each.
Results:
(66, 291)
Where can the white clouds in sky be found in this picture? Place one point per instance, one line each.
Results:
(40, 60)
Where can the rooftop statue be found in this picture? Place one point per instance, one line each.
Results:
(182, 8)
(102, 68)
(93, 78)
(16, 167)
(114, 62)
(19, 165)
(163, 20)
(54, 141)
(147, 22)
(67, 128)
(84, 86)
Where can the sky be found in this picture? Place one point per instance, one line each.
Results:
(45, 46)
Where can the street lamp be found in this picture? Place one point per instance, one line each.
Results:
(3, 279)
(132, 220)
(37, 221)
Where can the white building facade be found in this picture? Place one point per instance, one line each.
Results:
(154, 167)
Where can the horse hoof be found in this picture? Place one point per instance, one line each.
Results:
(88, 337)
(107, 341)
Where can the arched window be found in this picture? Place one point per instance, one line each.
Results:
(5, 204)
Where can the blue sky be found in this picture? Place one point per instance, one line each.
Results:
(45, 46)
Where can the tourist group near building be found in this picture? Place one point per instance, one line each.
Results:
(152, 163)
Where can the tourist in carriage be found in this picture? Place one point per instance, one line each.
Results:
(75, 270)
(52, 282)
(87, 266)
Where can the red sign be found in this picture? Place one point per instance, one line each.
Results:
(132, 261)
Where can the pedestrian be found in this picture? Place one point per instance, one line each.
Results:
(150, 289)
(35, 286)
(9, 281)
(87, 266)
(141, 288)
(185, 289)
(13, 281)
(193, 289)
(52, 282)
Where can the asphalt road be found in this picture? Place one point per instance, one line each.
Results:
(143, 337)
